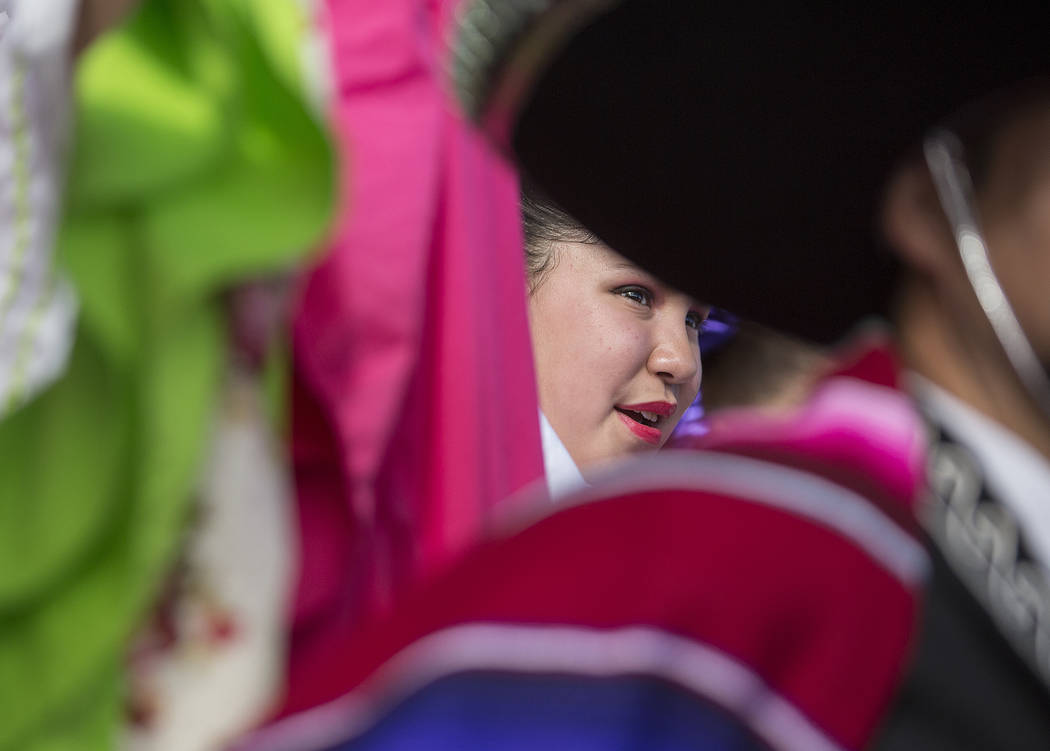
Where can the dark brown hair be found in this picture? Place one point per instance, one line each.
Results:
(545, 223)
(979, 125)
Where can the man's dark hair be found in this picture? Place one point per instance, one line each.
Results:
(979, 125)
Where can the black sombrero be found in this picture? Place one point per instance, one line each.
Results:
(737, 150)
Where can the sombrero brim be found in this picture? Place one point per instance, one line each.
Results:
(736, 150)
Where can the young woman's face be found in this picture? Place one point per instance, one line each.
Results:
(617, 353)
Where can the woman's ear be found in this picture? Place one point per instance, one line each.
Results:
(914, 224)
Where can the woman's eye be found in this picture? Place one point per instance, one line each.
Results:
(640, 295)
(695, 320)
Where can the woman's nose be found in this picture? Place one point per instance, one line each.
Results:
(675, 357)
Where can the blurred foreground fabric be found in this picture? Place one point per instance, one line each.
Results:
(415, 408)
(37, 303)
(196, 164)
(762, 594)
(771, 585)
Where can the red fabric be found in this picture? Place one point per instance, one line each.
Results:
(826, 627)
(415, 403)
(802, 602)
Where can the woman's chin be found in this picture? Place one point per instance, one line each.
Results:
(598, 464)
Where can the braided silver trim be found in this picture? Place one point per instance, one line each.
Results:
(982, 542)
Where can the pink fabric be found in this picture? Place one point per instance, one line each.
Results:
(856, 417)
(415, 401)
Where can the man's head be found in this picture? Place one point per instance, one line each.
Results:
(1004, 145)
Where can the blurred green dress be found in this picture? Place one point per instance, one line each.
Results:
(197, 163)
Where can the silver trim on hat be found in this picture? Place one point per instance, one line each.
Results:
(501, 47)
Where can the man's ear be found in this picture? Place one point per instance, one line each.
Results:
(914, 224)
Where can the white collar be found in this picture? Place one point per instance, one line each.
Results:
(563, 476)
(1018, 475)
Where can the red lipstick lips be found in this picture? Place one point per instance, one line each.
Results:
(641, 419)
(660, 408)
